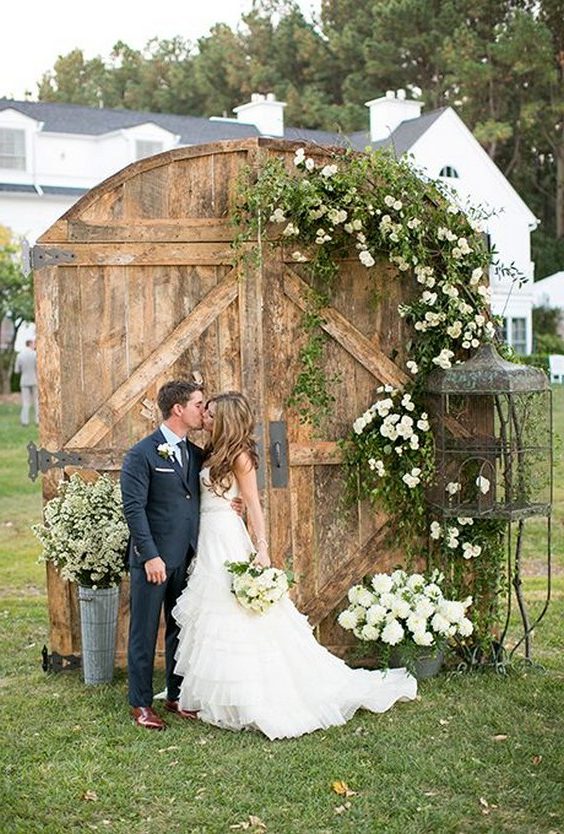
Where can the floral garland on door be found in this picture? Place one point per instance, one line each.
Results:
(385, 209)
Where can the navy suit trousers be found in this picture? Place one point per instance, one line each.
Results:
(146, 603)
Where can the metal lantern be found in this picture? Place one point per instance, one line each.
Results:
(493, 434)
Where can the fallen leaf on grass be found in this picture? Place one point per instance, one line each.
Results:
(340, 809)
(536, 760)
(167, 749)
(90, 796)
(253, 823)
(444, 721)
(431, 793)
(342, 789)
(500, 737)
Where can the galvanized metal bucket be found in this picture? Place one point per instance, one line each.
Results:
(98, 629)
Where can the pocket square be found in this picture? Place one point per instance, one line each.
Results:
(158, 469)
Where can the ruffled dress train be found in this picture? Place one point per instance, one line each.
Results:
(265, 672)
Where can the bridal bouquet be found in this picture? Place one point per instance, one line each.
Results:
(401, 608)
(258, 588)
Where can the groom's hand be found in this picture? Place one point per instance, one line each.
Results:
(155, 570)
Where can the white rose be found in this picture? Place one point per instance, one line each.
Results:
(483, 484)
(436, 530)
(366, 259)
(453, 487)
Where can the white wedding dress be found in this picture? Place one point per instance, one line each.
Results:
(267, 672)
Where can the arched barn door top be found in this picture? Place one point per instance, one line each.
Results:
(153, 187)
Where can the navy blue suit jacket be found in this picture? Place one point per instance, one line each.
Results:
(161, 504)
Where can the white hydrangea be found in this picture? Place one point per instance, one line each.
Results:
(382, 583)
(392, 633)
(369, 632)
(347, 619)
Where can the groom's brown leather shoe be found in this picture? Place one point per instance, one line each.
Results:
(173, 706)
(148, 718)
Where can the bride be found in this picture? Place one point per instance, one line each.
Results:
(242, 670)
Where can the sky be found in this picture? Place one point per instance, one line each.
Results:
(36, 32)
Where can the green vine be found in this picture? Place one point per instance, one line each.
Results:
(382, 208)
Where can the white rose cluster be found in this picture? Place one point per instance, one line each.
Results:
(395, 430)
(400, 607)
(257, 588)
(454, 537)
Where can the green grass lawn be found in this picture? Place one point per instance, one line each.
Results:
(476, 754)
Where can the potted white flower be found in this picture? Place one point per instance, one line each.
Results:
(406, 618)
(85, 535)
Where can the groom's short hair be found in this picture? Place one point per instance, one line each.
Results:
(176, 391)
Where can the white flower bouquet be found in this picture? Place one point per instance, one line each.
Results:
(85, 533)
(404, 609)
(258, 588)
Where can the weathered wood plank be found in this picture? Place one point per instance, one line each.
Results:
(332, 592)
(157, 363)
(155, 230)
(316, 452)
(373, 359)
(147, 253)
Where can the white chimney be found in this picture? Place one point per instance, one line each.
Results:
(265, 112)
(387, 112)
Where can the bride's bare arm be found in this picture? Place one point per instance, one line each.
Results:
(246, 476)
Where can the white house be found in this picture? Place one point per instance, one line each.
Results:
(50, 154)
(549, 292)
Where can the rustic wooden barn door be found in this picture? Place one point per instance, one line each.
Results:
(330, 549)
(136, 284)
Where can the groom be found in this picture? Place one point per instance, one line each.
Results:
(161, 500)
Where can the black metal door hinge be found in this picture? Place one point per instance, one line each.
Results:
(56, 662)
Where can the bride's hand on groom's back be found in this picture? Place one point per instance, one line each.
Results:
(238, 505)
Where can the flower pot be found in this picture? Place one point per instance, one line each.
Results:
(425, 664)
(98, 628)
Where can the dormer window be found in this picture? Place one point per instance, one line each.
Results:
(448, 171)
(144, 148)
(12, 149)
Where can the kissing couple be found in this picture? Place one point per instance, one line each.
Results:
(225, 665)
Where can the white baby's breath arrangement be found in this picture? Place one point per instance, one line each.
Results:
(258, 588)
(84, 533)
(407, 610)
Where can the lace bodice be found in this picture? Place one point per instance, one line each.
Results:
(211, 501)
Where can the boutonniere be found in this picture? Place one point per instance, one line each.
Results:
(166, 451)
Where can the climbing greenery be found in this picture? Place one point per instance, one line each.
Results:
(379, 209)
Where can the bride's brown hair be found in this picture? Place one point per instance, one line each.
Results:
(233, 425)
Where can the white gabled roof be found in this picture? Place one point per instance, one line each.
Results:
(549, 289)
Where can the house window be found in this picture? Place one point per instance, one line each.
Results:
(145, 148)
(449, 171)
(12, 149)
(519, 335)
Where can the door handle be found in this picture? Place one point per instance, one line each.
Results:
(278, 454)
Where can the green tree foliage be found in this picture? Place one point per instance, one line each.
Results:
(500, 63)
(16, 300)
